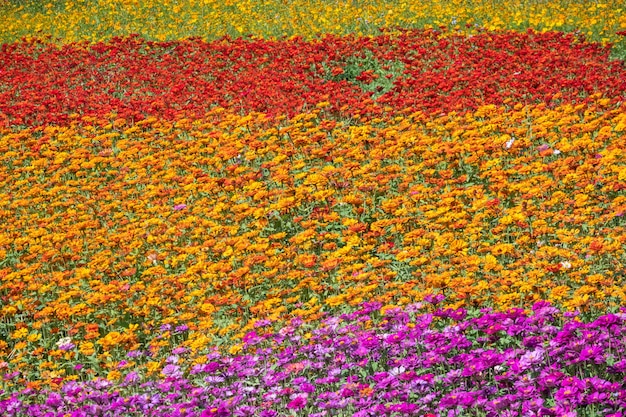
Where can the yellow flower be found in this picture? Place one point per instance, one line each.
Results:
(111, 340)
(153, 366)
(20, 333)
(114, 375)
(34, 336)
(235, 349)
(86, 348)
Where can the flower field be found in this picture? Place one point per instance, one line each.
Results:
(331, 208)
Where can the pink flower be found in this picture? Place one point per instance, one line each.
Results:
(179, 207)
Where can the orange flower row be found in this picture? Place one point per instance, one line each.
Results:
(120, 237)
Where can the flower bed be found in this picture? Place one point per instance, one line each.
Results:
(405, 362)
(423, 221)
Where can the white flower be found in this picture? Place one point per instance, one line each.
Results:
(556, 152)
(509, 143)
(397, 370)
(64, 342)
(566, 265)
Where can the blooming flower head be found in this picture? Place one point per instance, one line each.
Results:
(434, 298)
(65, 344)
(172, 371)
(132, 378)
(218, 411)
(591, 353)
(297, 403)
(531, 358)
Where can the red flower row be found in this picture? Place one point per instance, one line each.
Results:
(419, 70)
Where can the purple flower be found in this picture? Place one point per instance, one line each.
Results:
(500, 403)
(172, 371)
(530, 406)
(307, 387)
(529, 359)
(214, 379)
(458, 314)
(473, 368)
(132, 378)
(618, 367)
(245, 411)
(414, 308)
(527, 391)
(591, 353)
(251, 338)
(219, 411)
(361, 351)
(568, 394)
(597, 397)
(182, 328)
(179, 207)
(346, 392)
(71, 389)
(565, 412)
(404, 408)
(67, 347)
(54, 400)
(134, 354)
(434, 299)
(454, 399)
(262, 323)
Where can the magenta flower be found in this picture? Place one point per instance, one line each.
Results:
(219, 411)
(298, 403)
(568, 394)
(251, 338)
(179, 207)
(434, 298)
(591, 353)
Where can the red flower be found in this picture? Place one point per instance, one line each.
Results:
(189, 77)
(596, 245)
(336, 71)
